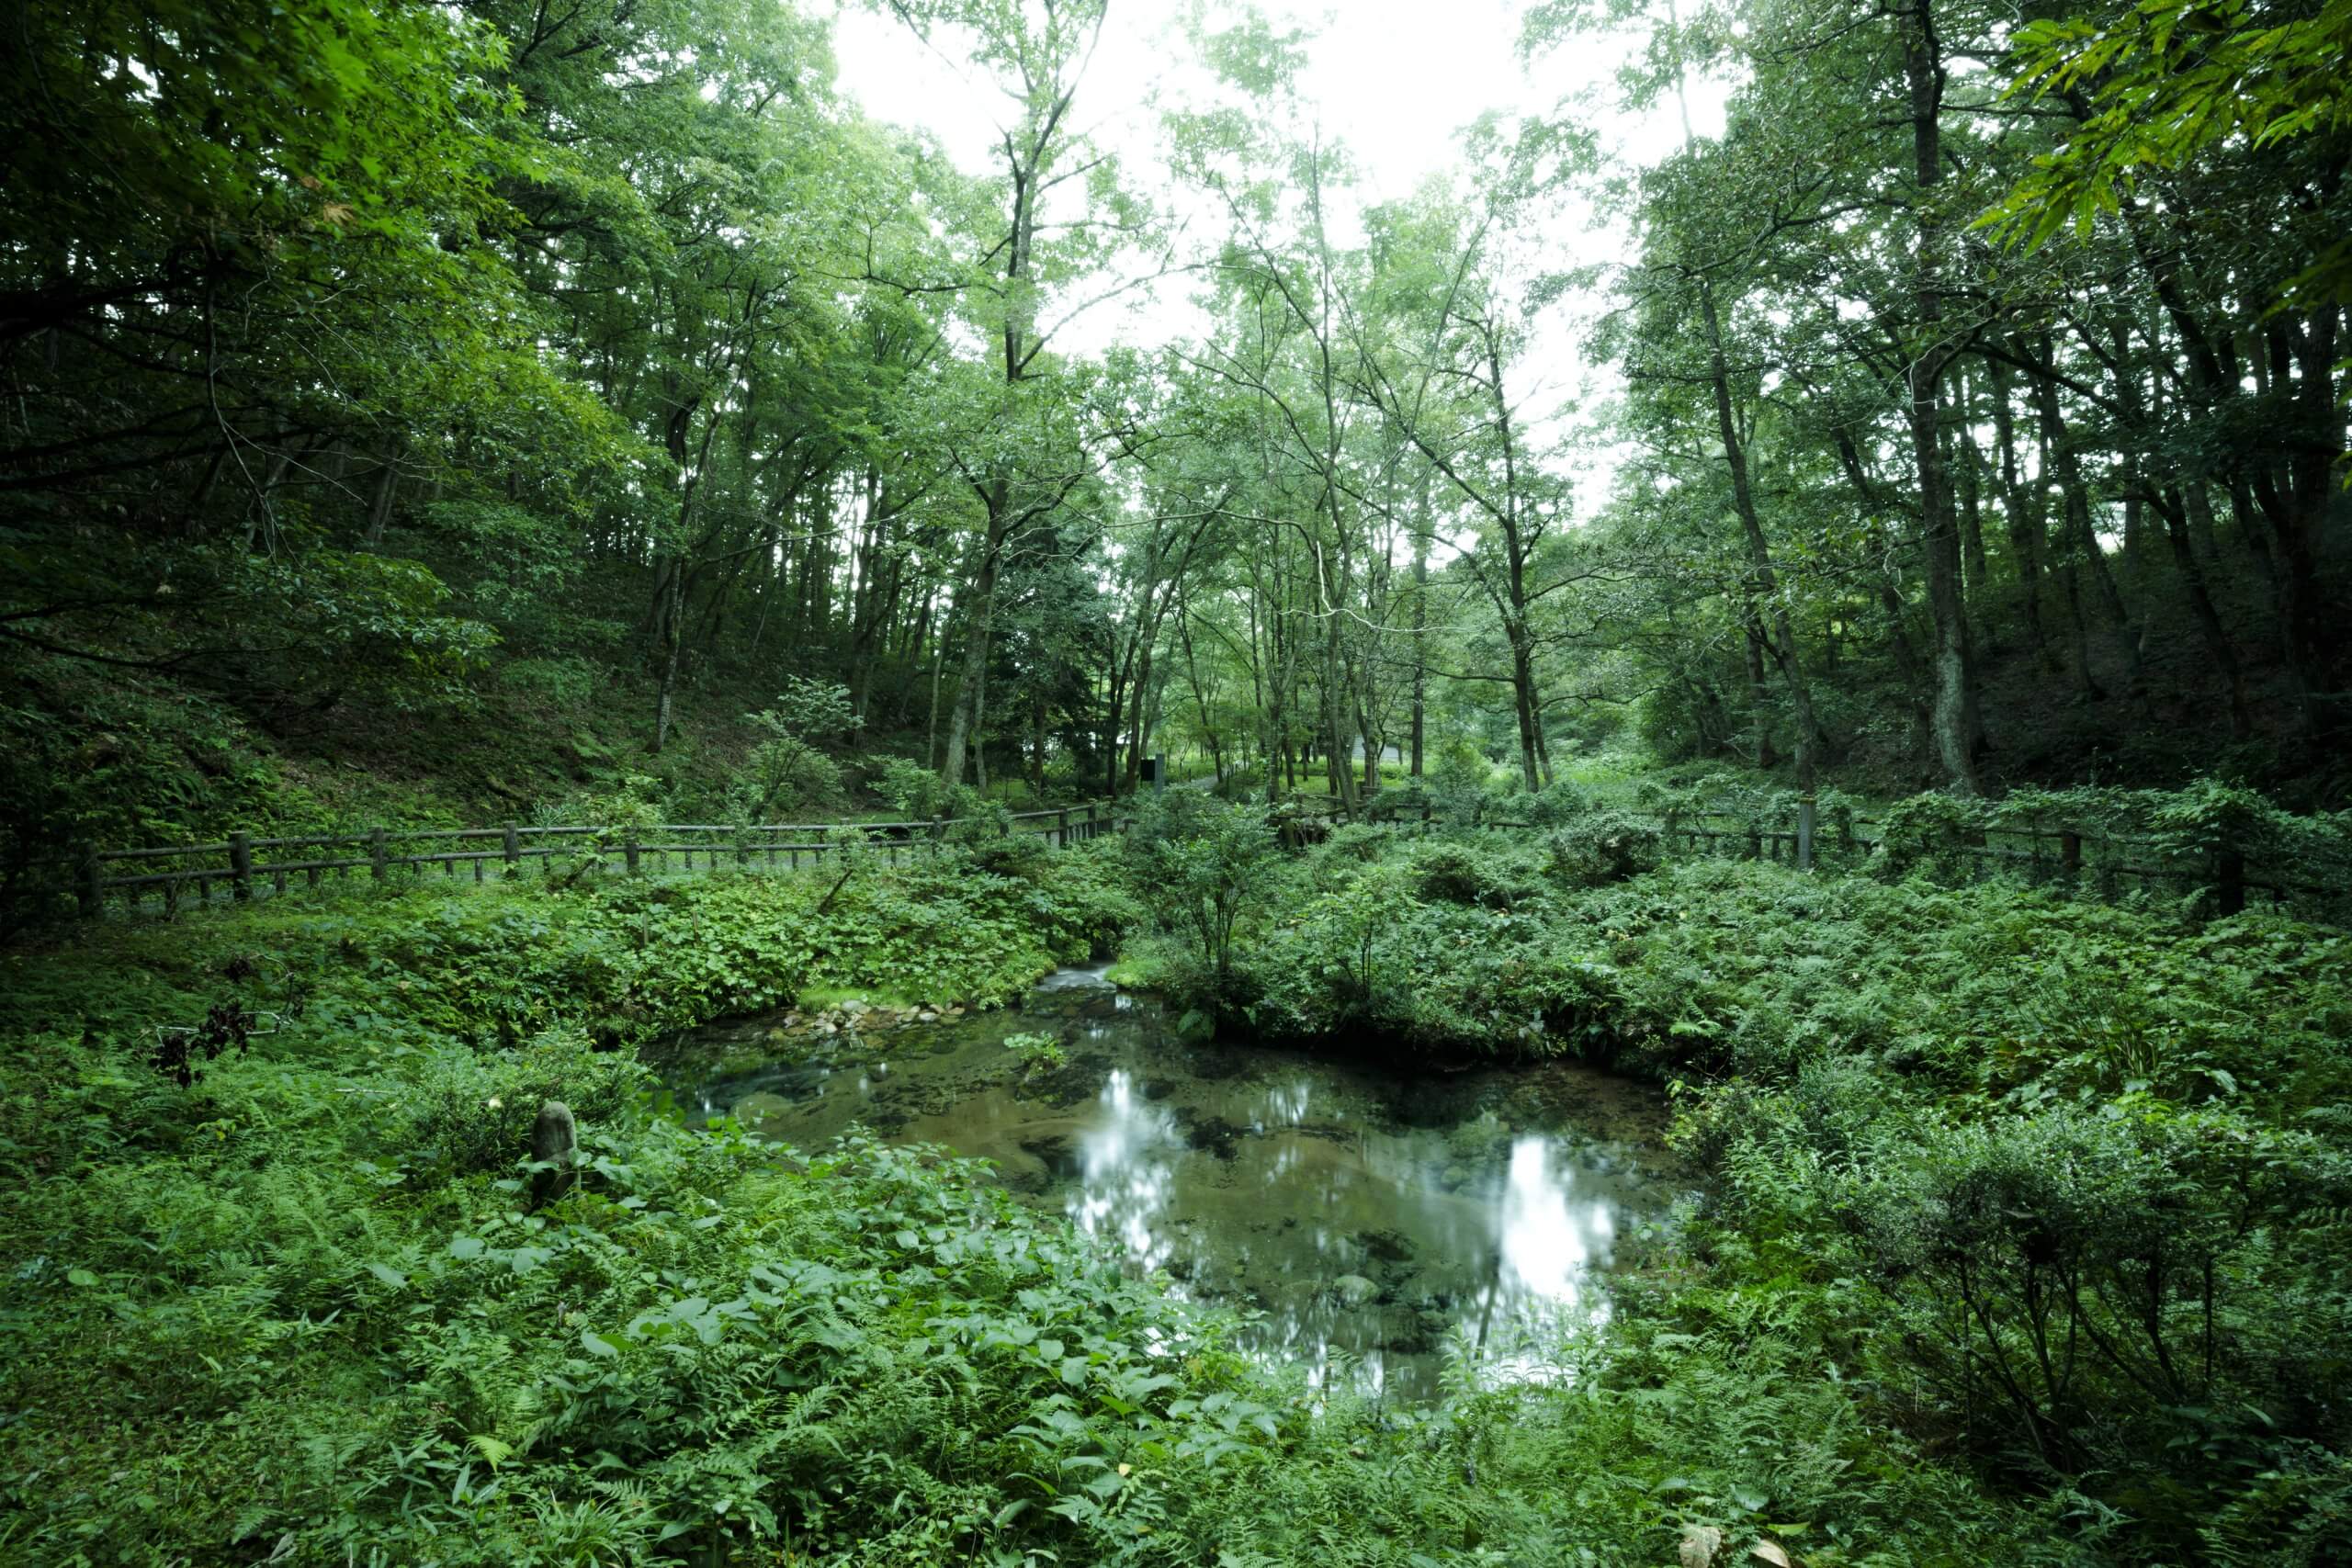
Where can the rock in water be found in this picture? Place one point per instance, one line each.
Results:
(554, 1140)
(1354, 1289)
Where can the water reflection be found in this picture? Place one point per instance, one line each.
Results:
(1365, 1219)
(1126, 1173)
(1547, 1239)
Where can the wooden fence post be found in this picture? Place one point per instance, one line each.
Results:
(1061, 828)
(2070, 853)
(513, 846)
(378, 857)
(1804, 832)
(629, 851)
(938, 835)
(241, 866)
(93, 888)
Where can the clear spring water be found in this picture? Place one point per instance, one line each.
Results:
(1365, 1217)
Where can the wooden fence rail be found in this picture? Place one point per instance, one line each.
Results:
(2107, 864)
(243, 867)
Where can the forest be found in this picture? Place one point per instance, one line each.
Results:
(737, 832)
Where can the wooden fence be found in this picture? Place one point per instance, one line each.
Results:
(242, 866)
(245, 867)
(2105, 865)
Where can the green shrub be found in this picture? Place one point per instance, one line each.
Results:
(1458, 781)
(1604, 846)
(1930, 833)
(1556, 803)
(1196, 861)
(785, 774)
(468, 1111)
(1494, 870)
(556, 682)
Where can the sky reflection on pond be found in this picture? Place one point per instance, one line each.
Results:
(1363, 1217)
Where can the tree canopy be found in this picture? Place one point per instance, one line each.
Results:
(1979, 420)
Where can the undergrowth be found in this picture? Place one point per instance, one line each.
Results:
(303, 1308)
(2058, 1188)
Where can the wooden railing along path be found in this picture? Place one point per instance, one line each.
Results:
(245, 867)
(242, 866)
(2105, 865)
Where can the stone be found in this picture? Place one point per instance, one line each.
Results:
(1354, 1289)
(555, 1140)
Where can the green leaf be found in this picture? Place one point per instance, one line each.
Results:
(390, 1274)
(80, 1277)
(596, 1344)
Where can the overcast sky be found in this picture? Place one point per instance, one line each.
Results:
(1393, 79)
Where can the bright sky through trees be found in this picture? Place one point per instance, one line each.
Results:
(1394, 81)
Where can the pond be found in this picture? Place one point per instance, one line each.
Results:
(1364, 1216)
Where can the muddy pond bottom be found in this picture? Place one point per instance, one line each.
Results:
(1367, 1219)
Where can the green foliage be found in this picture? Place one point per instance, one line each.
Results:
(784, 772)
(1558, 803)
(1605, 846)
(299, 1308)
(921, 795)
(811, 708)
(2171, 84)
(468, 1111)
(1037, 1051)
(1196, 861)
(1933, 831)
(1459, 779)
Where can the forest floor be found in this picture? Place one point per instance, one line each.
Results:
(288, 1285)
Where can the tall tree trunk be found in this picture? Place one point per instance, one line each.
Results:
(1762, 586)
(963, 718)
(2173, 509)
(2023, 516)
(2082, 545)
(1420, 629)
(1954, 717)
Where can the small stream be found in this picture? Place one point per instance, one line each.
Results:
(1363, 1214)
